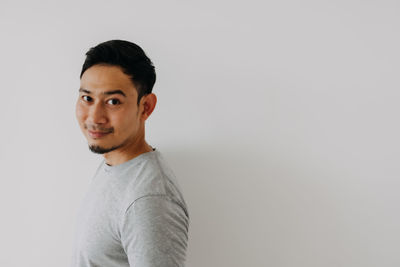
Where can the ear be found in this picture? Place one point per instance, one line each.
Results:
(148, 103)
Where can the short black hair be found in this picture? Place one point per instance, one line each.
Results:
(130, 57)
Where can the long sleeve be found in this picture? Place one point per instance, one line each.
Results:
(154, 232)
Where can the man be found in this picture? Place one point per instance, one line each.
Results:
(134, 213)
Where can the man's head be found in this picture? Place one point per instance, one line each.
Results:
(115, 96)
(130, 57)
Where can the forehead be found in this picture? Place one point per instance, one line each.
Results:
(99, 78)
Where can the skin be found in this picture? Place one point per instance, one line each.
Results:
(102, 107)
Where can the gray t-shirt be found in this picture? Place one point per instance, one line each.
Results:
(133, 214)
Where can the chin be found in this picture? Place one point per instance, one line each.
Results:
(98, 149)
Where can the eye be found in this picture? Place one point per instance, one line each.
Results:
(114, 101)
(86, 98)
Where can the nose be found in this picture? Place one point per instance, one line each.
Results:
(97, 114)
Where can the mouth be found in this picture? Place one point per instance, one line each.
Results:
(97, 134)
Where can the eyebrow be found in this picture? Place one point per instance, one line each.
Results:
(112, 92)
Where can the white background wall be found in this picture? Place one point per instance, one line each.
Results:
(280, 119)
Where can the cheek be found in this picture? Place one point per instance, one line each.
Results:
(126, 122)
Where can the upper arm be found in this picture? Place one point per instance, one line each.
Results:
(154, 232)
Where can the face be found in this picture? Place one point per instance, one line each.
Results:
(107, 109)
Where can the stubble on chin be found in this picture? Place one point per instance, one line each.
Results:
(101, 150)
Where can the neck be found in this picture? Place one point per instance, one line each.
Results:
(127, 152)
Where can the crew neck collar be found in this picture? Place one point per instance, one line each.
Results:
(110, 169)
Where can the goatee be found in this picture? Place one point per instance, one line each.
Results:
(101, 150)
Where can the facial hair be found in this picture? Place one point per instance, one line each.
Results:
(101, 150)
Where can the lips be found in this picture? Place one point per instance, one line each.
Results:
(97, 134)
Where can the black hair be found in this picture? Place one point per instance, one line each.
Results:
(130, 57)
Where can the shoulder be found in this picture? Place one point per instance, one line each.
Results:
(150, 178)
(154, 232)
